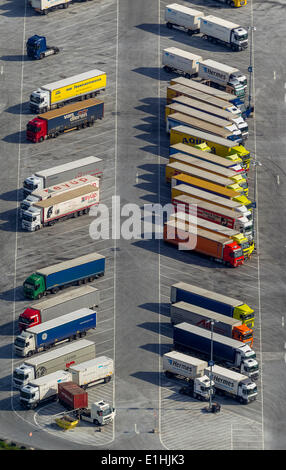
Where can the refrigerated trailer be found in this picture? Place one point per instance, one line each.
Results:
(43, 389)
(186, 63)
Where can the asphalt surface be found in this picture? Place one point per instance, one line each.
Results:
(125, 39)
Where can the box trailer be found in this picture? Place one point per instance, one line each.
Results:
(182, 291)
(70, 204)
(70, 326)
(89, 373)
(43, 389)
(183, 62)
(75, 271)
(48, 309)
(57, 94)
(45, 6)
(183, 17)
(227, 352)
(222, 324)
(56, 122)
(48, 362)
(54, 176)
(72, 396)
(224, 32)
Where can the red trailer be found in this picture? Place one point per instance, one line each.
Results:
(72, 396)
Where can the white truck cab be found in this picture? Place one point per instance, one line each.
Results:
(39, 101)
(24, 344)
(31, 184)
(100, 413)
(22, 375)
(31, 219)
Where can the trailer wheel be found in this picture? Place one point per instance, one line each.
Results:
(190, 32)
(96, 422)
(90, 279)
(107, 379)
(42, 56)
(231, 4)
(169, 25)
(55, 290)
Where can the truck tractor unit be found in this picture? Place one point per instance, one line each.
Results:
(37, 47)
(100, 413)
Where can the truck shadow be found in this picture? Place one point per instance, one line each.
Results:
(161, 328)
(10, 195)
(21, 108)
(8, 329)
(162, 308)
(15, 9)
(12, 295)
(15, 58)
(17, 137)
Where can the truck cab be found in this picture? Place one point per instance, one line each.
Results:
(36, 46)
(24, 344)
(239, 38)
(30, 317)
(39, 101)
(200, 388)
(31, 219)
(29, 396)
(100, 413)
(27, 203)
(247, 391)
(246, 360)
(34, 286)
(233, 254)
(31, 184)
(244, 334)
(22, 375)
(36, 130)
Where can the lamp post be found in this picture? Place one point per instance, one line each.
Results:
(250, 68)
(211, 362)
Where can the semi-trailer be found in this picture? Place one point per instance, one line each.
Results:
(44, 179)
(78, 87)
(90, 373)
(179, 119)
(182, 291)
(183, 62)
(182, 366)
(45, 6)
(37, 47)
(235, 235)
(43, 389)
(48, 362)
(55, 190)
(48, 309)
(182, 17)
(213, 245)
(67, 205)
(222, 324)
(227, 352)
(218, 145)
(70, 326)
(58, 121)
(213, 213)
(55, 277)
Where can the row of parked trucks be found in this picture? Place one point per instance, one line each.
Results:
(205, 321)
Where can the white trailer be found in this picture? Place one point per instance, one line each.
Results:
(232, 384)
(224, 32)
(222, 74)
(72, 203)
(51, 176)
(89, 373)
(183, 62)
(44, 389)
(183, 17)
(56, 189)
(44, 6)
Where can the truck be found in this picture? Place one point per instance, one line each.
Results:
(54, 190)
(48, 362)
(44, 179)
(182, 17)
(89, 373)
(223, 77)
(213, 245)
(45, 6)
(218, 145)
(201, 170)
(37, 47)
(70, 204)
(58, 121)
(234, 308)
(232, 234)
(182, 366)
(183, 62)
(57, 94)
(43, 389)
(67, 273)
(179, 119)
(100, 413)
(72, 396)
(223, 325)
(215, 214)
(234, 3)
(70, 326)
(48, 309)
(227, 33)
(227, 352)
(203, 152)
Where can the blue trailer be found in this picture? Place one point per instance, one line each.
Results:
(37, 47)
(227, 352)
(41, 337)
(53, 278)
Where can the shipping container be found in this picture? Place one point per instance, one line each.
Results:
(72, 396)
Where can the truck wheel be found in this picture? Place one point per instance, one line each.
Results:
(42, 56)
(231, 4)
(169, 25)
(96, 422)
(167, 69)
(55, 290)
(90, 279)
(190, 32)
(107, 379)
(41, 139)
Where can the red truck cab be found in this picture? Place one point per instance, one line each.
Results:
(30, 317)
(36, 130)
(233, 254)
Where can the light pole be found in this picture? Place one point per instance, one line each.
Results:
(250, 68)
(211, 362)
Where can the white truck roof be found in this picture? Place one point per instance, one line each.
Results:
(208, 294)
(179, 52)
(207, 165)
(228, 373)
(184, 357)
(68, 166)
(207, 313)
(217, 65)
(75, 78)
(189, 111)
(54, 376)
(205, 125)
(202, 87)
(69, 348)
(70, 263)
(77, 314)
(61, 298)
(221, 22)
(203, 173)
(183, 9)
(204, 195)
(205, 136)
(209, 206)
(91, 363)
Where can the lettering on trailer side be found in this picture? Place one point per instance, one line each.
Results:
(223, 381)
(179, 365)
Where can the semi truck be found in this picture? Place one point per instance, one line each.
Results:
(48, 309)
(100, 413)
(90, 373)
(182, 291)
(213, 245)
(43, 389)
(54, 190)
(203, 152)
(227, 33)
(218, 145)
(70, 326)
(70, 204)
(44, 179)
(227, 352)
(48, 362)
(182, 366)
(179, 119)
(57, 94)
(182, 17)
(58, 121)
(45, 6)
(223, 77)
(183, 62)
(55, 277)
(234, 3)
(37, 47)
(211, 212)
(223, 325)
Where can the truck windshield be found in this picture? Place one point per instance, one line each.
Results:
(251, 368)
(35, 99)
(237, 253)
(244, 246)
(20, 375)
(25, 320)
(106, 412)
(24, 206)
(33, 128)
(20, 342)
(26, 395)
(28, 218)
(247, 336)
(29, 186)
(250, 391)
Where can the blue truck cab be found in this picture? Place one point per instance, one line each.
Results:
(37, 47)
